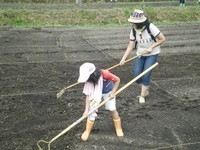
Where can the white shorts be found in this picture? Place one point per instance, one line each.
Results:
(109, 105)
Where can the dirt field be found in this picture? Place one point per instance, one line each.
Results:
(36, 63)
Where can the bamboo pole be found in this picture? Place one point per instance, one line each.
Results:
(59, 94)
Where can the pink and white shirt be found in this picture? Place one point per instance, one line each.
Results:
(95, 91)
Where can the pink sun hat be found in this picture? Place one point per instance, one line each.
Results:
(137, 16)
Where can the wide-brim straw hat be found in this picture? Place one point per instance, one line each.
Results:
(137, 16)
(85, 71)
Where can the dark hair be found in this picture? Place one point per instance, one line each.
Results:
(142, 24)
(94, 77)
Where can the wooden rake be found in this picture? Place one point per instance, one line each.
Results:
(59, 94)
(98, 106)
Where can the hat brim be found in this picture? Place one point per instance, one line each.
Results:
(83, 78)
(137, 21)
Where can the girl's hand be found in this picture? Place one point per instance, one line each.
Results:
(112, 95)
(149, 50)
(122, 62)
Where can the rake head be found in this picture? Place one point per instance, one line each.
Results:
(59, 94)
(42, 141)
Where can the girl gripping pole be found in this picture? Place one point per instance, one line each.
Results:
(147, 38)
(98, 84)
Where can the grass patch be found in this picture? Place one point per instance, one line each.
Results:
(94, 17)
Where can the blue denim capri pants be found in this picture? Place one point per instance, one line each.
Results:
(140, 65)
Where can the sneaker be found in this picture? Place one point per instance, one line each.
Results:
(141, 99)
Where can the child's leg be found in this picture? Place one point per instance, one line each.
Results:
(90, 122)
(111, 106)
(144, 93)
(117, 123)
(114, 115)
(149, 61)
(88, 129)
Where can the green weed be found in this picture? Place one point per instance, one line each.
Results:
(95, 17)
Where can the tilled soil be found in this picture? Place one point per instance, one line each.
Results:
(36, 63)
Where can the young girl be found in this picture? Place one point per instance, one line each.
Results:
(99, 84)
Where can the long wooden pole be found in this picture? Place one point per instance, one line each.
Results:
(59, 94)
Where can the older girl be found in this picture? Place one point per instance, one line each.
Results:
(148, 38)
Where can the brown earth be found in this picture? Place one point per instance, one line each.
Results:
(36, 63)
